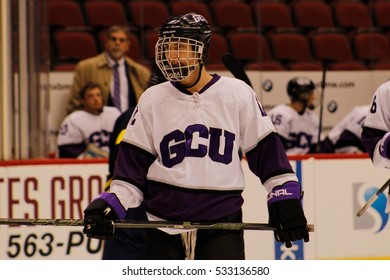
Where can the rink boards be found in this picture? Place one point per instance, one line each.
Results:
(334, 189)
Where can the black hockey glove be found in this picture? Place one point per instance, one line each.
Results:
(286, 214)
(100, 214)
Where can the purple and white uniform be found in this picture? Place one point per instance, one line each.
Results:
(81, 128)
(345, 135)
(376, 129)
(299, 132)
(180, 153)
(377, 125)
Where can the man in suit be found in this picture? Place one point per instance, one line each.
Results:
(114, 71)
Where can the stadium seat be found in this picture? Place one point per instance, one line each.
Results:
(271, 15)
(102, 14)
(387, 34)
(311, 15)
(292, 48)
(148, 14)
(218, 47)
(351, 15)
(265, 66)
(183, 7)
(348, 66)
(64, 14)
(150, 39)
(373, 47)
(230, 15)
(74, 44)
(381, 12)
(305, 66)
(216, 67)
(333, 45)
(252, 50)
(63, 67)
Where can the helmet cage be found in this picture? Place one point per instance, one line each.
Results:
(178, 57)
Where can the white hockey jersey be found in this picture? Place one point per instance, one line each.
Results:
(180, 153)
(377, 124)
(352, 123)
(376, 128)
(81, 127)
(300, 130)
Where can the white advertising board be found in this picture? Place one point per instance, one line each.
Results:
(334, 190)
(48, 191)
(342, 187)
(343, 91)
(59, 84)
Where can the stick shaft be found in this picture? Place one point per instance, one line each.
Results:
(235, 67)
(143, 224)
(373, 198)
(321, 116)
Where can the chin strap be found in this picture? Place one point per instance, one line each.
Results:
(305, 105)
(311, 107)
(199, 74)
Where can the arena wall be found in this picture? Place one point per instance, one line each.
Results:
(335, 187)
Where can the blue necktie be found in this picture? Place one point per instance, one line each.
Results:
(117, 94)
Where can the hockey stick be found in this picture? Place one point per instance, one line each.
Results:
(373, 198)
(325, 64)
(235, 67)
(143, 224)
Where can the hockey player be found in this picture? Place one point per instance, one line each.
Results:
(295, 122)
(376, 129)
(179, 156)
(86, 133)
(344, 137)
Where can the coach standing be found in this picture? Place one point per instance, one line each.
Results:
(122, 79)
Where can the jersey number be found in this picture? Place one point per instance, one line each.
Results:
(373, 106)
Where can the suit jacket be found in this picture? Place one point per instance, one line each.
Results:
(96, 69)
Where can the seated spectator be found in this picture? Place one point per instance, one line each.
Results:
(295, 122)
(344, 137)
(86, 133)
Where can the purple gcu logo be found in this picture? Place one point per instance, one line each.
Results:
(177, 145)
(100, 138)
